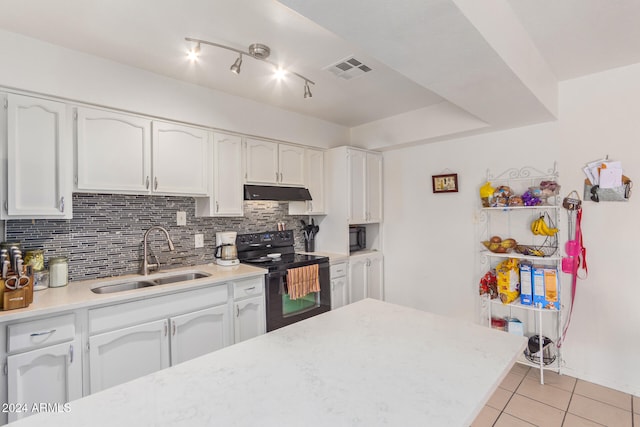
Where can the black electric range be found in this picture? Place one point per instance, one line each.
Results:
(255, 248)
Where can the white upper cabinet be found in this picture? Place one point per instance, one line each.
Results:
(129, 154)
(291, 165)
(358, 186)
(36, 147)
(227, 195)
(261, 161)
(365, 198)
(273, 163)
(113, 152)
(374, 187)
(180, 157)
(228, 192)
(314, 182)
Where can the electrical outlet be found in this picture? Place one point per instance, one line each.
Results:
(199, 240)
(181, 218)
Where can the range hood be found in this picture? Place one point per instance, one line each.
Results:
(269, 192)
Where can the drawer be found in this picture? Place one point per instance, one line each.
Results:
(37, 333)
(248, 288)
(338, 270)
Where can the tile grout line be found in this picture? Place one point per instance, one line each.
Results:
(511, 397)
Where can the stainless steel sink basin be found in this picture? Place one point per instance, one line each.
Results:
(122, 286)
(183, 276)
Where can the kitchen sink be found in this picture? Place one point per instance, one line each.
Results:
(181, 277)
(148, 281)
(122, 286)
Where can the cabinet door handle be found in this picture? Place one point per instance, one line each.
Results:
(155, 183)
(217, 207)
(165, 329)
(62, 204)
(70, 354)
(237, 311)
(276, 176)
(280, 176)
(310, 206)
(173, 329)
(39, 334)
(147, 183)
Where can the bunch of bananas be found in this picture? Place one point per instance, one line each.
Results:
(539, 227)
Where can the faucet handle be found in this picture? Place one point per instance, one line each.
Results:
(157, 264)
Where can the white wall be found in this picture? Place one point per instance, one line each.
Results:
(32, 65)
(430, 240)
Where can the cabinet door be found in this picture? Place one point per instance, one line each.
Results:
(180, 159)
(315, 180)
(357, 279)
(375, 288)
(198, 333)
(374, 187)
(47, 375)
(126, 354)
(339, 292)
(291, 165)
(357, 186)
(250, 318)
(261, 162)
(37, 151)
(113, 152)
(227, 181)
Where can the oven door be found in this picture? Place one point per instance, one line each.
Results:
(282, 311)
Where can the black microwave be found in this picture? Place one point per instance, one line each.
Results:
(357, 238)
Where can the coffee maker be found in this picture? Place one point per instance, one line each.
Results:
(226, 252)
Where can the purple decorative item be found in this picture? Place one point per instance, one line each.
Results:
(530, 200)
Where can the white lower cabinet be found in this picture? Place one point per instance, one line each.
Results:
(43, 365)
(250, 319)
(50, 375)
(137, 338)
(366, 277)
(339, 285)
(198, 333)
(126, 354)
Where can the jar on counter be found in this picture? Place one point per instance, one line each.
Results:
(34, 258)
(40, 280)
(58, 272)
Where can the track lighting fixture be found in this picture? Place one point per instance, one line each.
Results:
(307, 91)
(256, 51)
(235, 68)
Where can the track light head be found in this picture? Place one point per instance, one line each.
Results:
(235, 68)
(194, 53)
(307, 90)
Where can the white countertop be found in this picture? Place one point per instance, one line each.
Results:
(367, 364)
(78, 294)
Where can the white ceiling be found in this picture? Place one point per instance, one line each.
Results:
(500, 69)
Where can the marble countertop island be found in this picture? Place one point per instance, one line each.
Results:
(370, 363)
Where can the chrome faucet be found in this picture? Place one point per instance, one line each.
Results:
(146, 266)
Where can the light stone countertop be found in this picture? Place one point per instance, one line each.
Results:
(78, 294)
(333, 257)
(370, 363)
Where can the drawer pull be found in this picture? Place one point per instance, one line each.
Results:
(39, 334)
(250, 289)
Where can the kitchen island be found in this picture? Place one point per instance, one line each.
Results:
(367, 364)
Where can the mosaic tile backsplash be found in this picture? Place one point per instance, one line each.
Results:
(104, 238)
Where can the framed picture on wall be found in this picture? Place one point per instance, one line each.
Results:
(445, 183)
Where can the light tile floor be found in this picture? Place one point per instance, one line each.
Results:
(562, 401)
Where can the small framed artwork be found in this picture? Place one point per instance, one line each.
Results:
(445, 183)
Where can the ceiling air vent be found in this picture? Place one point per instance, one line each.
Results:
(348, 68)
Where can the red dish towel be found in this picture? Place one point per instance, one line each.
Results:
(302, 281)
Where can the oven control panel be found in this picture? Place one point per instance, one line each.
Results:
(264, 240)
